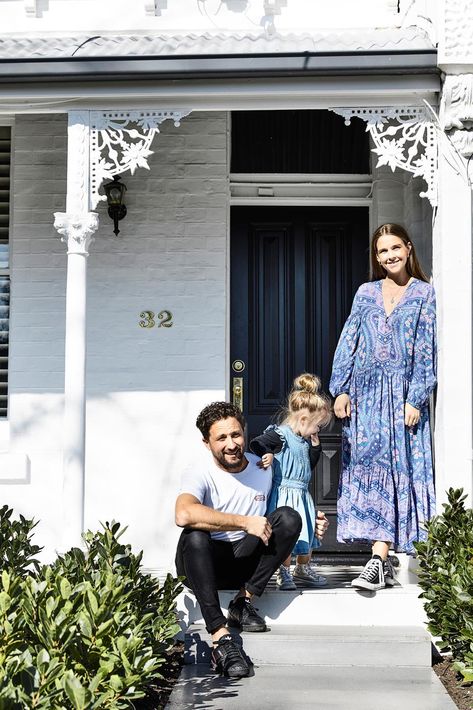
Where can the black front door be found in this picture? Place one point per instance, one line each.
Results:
(294, 272)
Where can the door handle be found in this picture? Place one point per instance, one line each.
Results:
(238, 392)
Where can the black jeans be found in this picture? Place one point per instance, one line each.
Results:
(209, 565)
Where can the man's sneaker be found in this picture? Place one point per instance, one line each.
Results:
(284, 579)
(241, 613)
(307, 575)
(372, 576)
(228, 658)
(389, 574)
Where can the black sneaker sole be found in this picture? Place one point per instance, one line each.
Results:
(247, 627)
(229, 673)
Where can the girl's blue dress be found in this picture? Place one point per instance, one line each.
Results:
(291, 478)
(386, 486)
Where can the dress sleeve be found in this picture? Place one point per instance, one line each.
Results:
(345, 353)
(424, 371)
(270, 442)
(314, 455)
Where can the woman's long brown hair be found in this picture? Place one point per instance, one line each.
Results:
(413, 266)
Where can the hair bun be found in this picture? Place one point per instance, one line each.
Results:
(307, 383)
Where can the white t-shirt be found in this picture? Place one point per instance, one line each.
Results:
(244, 493)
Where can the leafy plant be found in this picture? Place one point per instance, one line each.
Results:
(446, 578)
(16, 549)
(88, 631)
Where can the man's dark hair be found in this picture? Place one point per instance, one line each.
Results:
(214, 413)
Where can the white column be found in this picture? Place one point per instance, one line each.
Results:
(452, 251)
(77, 226)
(452, 255)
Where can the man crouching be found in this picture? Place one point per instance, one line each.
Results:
(227, 542)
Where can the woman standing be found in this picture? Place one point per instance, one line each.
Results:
(384, 371)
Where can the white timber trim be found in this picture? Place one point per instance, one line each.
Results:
(221, 95)
(300, 189)
(76, 227)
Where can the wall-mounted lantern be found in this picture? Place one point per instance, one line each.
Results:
(115, 191)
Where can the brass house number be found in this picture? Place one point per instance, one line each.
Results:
(148, 319)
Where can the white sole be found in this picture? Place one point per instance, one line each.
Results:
(367, 585)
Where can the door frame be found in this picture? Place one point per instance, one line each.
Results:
(327, 191)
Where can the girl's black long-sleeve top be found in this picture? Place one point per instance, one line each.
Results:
(271, 443)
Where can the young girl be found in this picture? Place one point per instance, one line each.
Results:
(296, 448)
(384, 371)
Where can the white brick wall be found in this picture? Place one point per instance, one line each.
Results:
(145, 386)
(396, 199)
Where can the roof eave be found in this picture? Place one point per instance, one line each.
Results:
(219, 66)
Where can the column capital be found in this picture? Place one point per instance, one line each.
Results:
(77, 230)
(456, 111)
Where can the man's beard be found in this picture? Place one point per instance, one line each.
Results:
(220, 457)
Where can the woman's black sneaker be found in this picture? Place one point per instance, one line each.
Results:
(372, 576)
(388, 571)
(241, 613)
(228, 659)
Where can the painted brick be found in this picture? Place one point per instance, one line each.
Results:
(145, 386)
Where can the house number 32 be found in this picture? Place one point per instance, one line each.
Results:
(148, 319)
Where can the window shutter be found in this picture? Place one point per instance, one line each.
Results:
(5, 157)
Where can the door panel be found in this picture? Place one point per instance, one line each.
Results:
(294, 272)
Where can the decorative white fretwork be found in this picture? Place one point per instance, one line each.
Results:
(121, 141)
(31, 8)
(404, 138)
(77, 230)
(456, 44)
(155, 7)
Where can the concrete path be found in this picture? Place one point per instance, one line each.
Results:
(304, 688)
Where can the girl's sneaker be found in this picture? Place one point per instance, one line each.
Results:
(284, 579)
(307, 575)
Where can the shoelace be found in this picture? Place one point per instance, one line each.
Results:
(371, 570)
(310, 571)
(249, 607)
(285, 573)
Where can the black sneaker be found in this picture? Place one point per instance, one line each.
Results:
(228, 659)
(241, 613)
(388, 571)
(372, 576)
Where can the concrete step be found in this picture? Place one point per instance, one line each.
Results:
(375, 646)
(337, 604)
(275, 687)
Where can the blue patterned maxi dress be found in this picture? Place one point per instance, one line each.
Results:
(386, 486)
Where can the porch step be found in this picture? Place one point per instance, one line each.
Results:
(361, 646)
(337, 604)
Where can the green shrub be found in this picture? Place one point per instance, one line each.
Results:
(446, 578)
(16, 549)
(88, 631)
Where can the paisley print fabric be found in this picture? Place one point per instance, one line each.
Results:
(291, 478)
(386, 486)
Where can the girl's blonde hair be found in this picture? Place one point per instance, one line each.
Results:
(413, 265)
(306, 394)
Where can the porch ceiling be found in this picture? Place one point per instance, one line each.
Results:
(218, 94)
